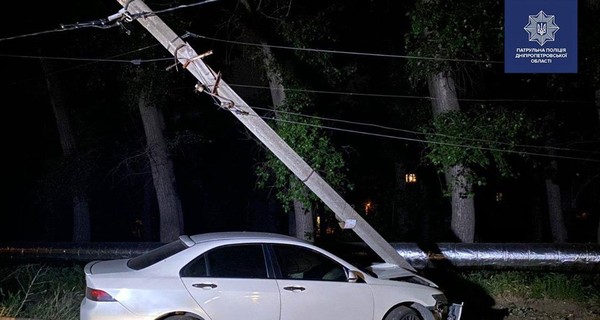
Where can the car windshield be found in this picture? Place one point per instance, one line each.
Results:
(151, 257)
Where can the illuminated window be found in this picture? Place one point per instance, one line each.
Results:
(410, 178)
(318, 224)
(499, 196)
(368, 207)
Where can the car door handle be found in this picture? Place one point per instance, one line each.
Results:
(204, 285)
(294, 288)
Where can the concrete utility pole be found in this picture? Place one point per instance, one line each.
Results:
(212, 84)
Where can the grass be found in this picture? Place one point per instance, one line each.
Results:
(48, 292)
(539, 285)
(41, 291)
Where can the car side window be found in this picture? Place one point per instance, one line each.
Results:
(235, 261)
(302, 263)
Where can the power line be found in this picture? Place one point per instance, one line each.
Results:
(92, 61)
(138, 61)
(111, 21)
(431, 142)
(130, 61)
(116, 20)
(347, 93)
(32, 34)
(382, 95)
(181, 6)
(122, 15)
(417, 133)
(362, 94)
(366, 54)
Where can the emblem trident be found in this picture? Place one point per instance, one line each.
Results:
(542, 28)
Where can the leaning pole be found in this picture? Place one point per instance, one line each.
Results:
(211, 83)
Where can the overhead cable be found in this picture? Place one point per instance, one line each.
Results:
(432, 142)
(417, 133)
(111, 21)
(367, 54)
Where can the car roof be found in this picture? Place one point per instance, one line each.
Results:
(241, 235)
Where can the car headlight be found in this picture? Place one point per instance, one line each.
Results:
(440, 298)
(441, 306)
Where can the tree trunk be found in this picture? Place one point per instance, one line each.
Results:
(81, 217)
(553, 198)
(463, 212)
(148, 209)
(304, 222)
(81, 209)
(538, 214)
(303, 228)
(598, 108)
(301, 224)
(400, 220)
(443, 92)
(274, 76)
(163, 175)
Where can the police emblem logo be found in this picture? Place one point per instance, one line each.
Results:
(541, 28)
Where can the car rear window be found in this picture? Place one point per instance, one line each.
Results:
(153, 256)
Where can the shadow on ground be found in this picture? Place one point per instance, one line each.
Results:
(478, 304)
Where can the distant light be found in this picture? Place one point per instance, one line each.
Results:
(368, 207)
(410, 178)
(499, 196)
(318, 225)
(583, 215)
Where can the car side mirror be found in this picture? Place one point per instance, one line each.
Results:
(353, 276)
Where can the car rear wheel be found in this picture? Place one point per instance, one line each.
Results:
(403, 313)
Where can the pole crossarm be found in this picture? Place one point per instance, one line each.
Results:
(218, 88)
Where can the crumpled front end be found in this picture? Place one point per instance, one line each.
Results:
(444, 310)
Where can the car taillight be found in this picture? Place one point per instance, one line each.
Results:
(98, 295)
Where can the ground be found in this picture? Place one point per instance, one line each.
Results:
(544, 309)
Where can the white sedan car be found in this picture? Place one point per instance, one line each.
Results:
(252, 275)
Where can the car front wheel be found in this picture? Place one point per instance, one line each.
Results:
(403, 313)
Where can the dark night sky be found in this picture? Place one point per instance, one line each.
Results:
(217, 181)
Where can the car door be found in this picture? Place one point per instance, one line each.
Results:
(231, 283)
(314, 286)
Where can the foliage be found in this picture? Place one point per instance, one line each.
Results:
(312, 31)
(41, 291)
(441, 35)
(446, 30)
(590, 46)
(479, 139)
(304, 135)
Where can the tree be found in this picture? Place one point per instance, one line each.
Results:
(448, 33)
(302, 133)
(148, 91)
(163, 175)
(444, 100)
(593, 70)
(79, 173)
